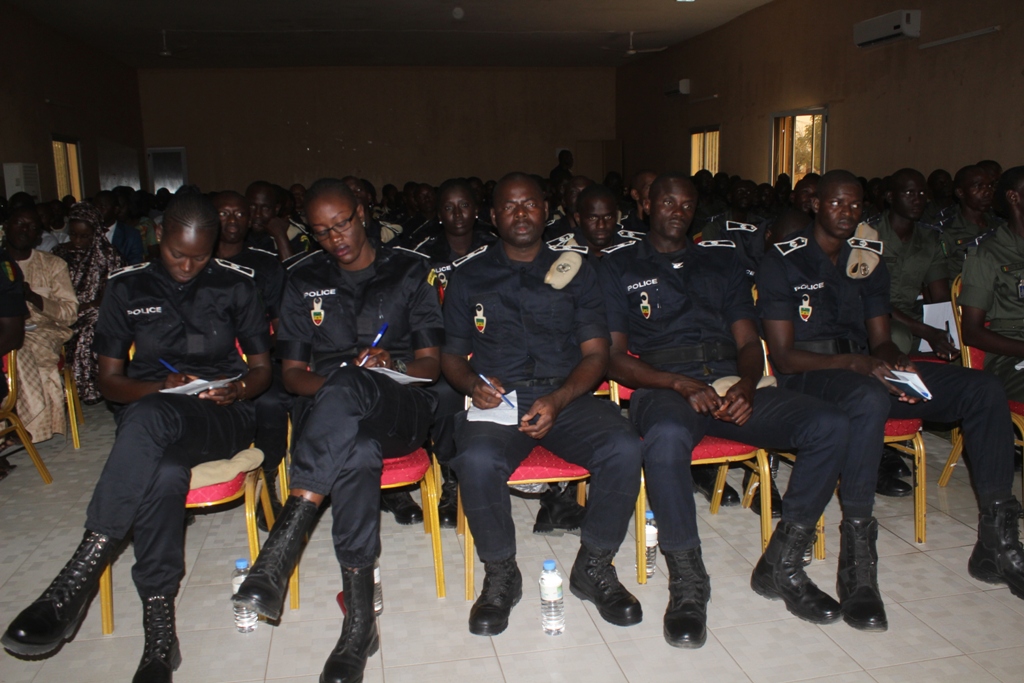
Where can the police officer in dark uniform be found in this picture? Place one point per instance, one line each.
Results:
(550, 347)
(13, 312)
(270, 232)
(636, 220)
(740, 224)
(336, 303)
(824, 303)
(687, 312)
(378, 230)
(273, 405)
(566, 222)
(595, 217)
(187, 311)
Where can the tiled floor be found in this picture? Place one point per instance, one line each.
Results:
(943, 625)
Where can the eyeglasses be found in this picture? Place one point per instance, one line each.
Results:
(340, 229)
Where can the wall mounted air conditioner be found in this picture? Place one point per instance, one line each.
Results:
(904, 23)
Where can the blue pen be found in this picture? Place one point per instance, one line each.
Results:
(376, 340)
(503, 397)
(168, 366)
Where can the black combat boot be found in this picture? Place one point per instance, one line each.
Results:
(998, 556)
(263, 590)
(689, 590)
(54, 616)
(161, 655)
(779, 575)
(893, 463)
(275, 500)
(448, 505)
(503, 588)
(593, 578)
(358, 641)
(704, 478)
(857, 579)
(773, 464)
(559, 511)
(402, 506)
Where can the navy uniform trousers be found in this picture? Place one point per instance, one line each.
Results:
(357, 419)
(974, 397)
(781, 420)
(589, 432)
(145, 481)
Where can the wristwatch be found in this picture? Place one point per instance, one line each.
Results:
(398, 365)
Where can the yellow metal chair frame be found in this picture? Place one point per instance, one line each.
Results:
(429, 487)
(15, 424)
(75, 416)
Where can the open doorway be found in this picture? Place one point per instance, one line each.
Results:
(798, 142)
(67, 163)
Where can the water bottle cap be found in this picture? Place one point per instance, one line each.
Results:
(650, 514)
(549, 565)
(241, 563)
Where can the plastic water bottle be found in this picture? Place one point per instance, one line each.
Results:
(378, 593)
(552, 609)
(245, 619)
(651, 535)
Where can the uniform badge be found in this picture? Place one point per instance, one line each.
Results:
(645, 306)
(1020, 288)
(806, 308)
(317, 314)
(479, 320)
(9, 271)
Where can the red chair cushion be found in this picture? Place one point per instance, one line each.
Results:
(624, 393)
(407, 469)
(926, 358)
(543, 464)
(715, 447)
(213, 492)
(1016, 408)
(977, 358)
(902, 427)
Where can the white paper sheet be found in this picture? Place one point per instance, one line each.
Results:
(198, 386)
(502, 415)
(399, 377)
(940, 316)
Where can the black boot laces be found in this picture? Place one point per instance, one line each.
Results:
(496, 586)
(272, 559)
(159, 626)
(688, 585)
(602, 571)
(864, 563)
(76, 574)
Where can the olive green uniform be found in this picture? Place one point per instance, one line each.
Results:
(958, 236)
(912, 265)
(993, 280)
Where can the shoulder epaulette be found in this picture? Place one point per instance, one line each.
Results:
(711, 219)
(569, 247)
(552, 221)
(560, 240)
(786, 248)
(717, 243)
(473, 254)
(235, 267)
(737, 225)
(422, 243)
(876, 246)
(304, 258)
(263, 251)
(128, 269)
(873, 220)
(930, 226)
(410, 251)
(620, 245)
(631, 234)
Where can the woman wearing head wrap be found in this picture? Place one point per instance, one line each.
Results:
(90, 258)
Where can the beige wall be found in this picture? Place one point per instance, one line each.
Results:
(889, 106)
(385, 124)
(52, 85)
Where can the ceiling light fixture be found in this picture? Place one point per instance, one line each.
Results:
(458, 13)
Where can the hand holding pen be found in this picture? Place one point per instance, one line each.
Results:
(176, 378)
(489, 394)
(376, 357)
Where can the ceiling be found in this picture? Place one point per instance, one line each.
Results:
(263, 33)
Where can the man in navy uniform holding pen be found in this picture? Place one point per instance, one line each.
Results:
(535, 325)
(824, 303)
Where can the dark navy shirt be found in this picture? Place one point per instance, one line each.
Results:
(440, 255)
(269, 275)
(685, 298)
(799, 283)
(192, 326)
(329, 314)
(517, 327)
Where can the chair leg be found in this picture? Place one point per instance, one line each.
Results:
(752, 484)
(954, 457)
(819, 542)
(107, 601)
(467, 537)
(716, 498)
(264, 500)
(30, 448)
(74, 409)
(764, 474)
(460, 517)
(640, 520)
(920, 490)
(581, 492)
(428, 493)
(250, 514)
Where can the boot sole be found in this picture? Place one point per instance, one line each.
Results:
(772, 595)
(555, 530)
(499, 628)
(994, 579)
(257, 606)
(29, 650)
(686, 644)
(862, 626)
(609, 618)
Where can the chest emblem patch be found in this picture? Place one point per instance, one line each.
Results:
(805, 308)
(317, 314)
(645, 305)
(479, 320)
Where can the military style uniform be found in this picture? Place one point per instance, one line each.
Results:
(748, 235)
(958, 236)
(359, 417)
(194, 327)
(799, 283)
(677, 310)
(528, 335)
(633, 223)
(298, 238)
(912, 265)
(994, 282)
(12, 299)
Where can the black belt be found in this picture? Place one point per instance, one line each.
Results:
(828, 346)
(539, 382)
(703, 353)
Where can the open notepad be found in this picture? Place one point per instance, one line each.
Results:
(910, 383)
(503, 414)
(198, 386)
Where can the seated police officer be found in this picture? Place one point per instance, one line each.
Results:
(548, 347)
(335, 304)
(740, 224)
(183, 310)
(597, 229)
(824, 302)
(687, 312)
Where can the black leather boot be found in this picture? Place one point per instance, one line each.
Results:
(275, 500)
(358, 641)
(263, 590)
(704, 477)
(891, 485)
(779, 575)
(773, 463)
(448, 505)
(893, 463)
(401, 504)
(997, 556)
(559, 511)
(54, 617)
(857, 578)
(161, 655)
(689, 590)
(503, 588)
(593, 578)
